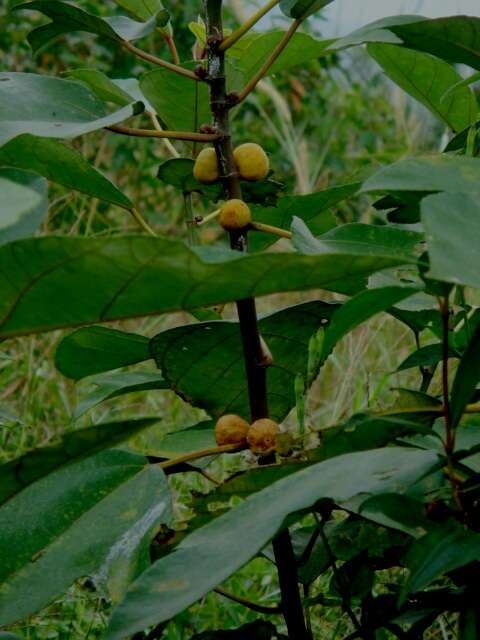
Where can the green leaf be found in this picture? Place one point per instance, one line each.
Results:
(178, 172)
(359, 309)
(93, 350)
(452, 227)
(447, 547)
(112, 385)
(88, 518)
(24, 203)
(46, 283)
(174, 98)
(51, 107)
(61, 164)
(302, 8)
(469, 624)
(212, 553)
(466, 379)
(142, 9)
(399, 512)
(413, 71)
(377, 31)
(441, 172)
(426, 356)
(67, 18)
(311, 208)
(204, 364)
(101, 85)
(194, 438)
(24, 471)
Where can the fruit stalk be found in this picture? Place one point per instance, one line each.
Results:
(256, 370)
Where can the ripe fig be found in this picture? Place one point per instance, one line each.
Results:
(252, 161)
(231, 429)
(235, 215)
(262, 436)
(206, 166)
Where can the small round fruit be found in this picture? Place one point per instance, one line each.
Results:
(206, 166)
(262, 436)
(252, 161)
(235, 215)
(231, 429)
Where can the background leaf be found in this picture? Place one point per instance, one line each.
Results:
(93, 350)
(90, 514)
(24, 203)
(302, 8)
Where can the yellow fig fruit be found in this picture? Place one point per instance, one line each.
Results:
(235, 215)
(206, 166)
(231, 429)
(252, 161)
(262, 436)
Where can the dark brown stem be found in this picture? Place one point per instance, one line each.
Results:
(153, 133)
(254, 352)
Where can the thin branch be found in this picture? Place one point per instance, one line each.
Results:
(268, 228)
(173, 135)
(158, 127)
(159, 62)
(246, 603)
(171, 45)
(341, 586)
(208, 218)
(250, 86)
(202, 453)
(142, 222)
(248, 24)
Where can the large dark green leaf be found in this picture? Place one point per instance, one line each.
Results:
(444, 549)
(204, 363)
(24, 203)
(312, 208)
(48, 283)
(61, 164)
(22, 472)
(457, 174)
(175, 97)
(194, 438)
(453, 38)
(414, 71)
(466, 379)
(426, 356)
(67, 18)
(142, 9)
(452, 225)
(88, 518)
(51, 107)
(93, 350)
(302, 8)
(212, 553)
(112, 385)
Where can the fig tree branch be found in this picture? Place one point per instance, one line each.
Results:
(247, 25)
(159, 62)
(262, 72)
(202, 453)
(171, 46)
(191, 136)
(268, 228)
(246, 603)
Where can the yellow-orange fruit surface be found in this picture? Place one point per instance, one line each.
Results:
(252, 161)
(235, 215)
(262, 436)
(231, 429)
(206, 168)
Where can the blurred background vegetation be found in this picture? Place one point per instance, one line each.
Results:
(322, 125)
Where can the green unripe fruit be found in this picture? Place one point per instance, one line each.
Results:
(231, 429)
(206, 166)
(252, 161)
(235, 215)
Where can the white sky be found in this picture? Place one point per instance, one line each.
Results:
(345, 15)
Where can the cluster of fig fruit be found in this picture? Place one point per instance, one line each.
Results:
(252, 164)
(260, 436)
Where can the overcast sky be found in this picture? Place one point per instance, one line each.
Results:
(343, 15)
